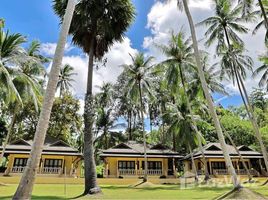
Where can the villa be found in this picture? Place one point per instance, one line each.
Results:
(215, 160)
(58, 158)
(127, 160)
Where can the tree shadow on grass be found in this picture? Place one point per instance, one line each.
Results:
(36, 197)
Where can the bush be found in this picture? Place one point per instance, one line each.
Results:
(99, 170)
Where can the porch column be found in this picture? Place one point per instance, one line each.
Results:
(174, 168)
(211, 170)
(42, 165)
(136, 167)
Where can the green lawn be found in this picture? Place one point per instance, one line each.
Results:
(56, 191)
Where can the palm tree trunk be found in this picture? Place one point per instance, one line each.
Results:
(193, 163)
(194, 125)
(209, 99)
(254, 123)
(25, 187)
(263, 13)
(249, 109)
(106, 137)
(130, 126)
(240, 156)
(9, 133)
(91, 186)
(145, 177)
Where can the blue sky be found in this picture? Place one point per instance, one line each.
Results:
(36, 20)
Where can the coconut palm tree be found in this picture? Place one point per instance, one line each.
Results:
(180, 58)
(233, 63)
(247, 6)
(184, 4)
(227, 21)
(263, 68)
(25, 186)
(140, 75)
(11, 54)
(213, 78)
(182, 124)
(96, 25)
(262, 13)
(29, 90)
(65, 79)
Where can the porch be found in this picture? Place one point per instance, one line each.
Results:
(133, 172)
(45, 170)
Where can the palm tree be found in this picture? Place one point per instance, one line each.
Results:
(184, 4)
(29, 90)
(262, 13)
(11, 54)
(139, 75)
(105, 115)
(227, 21)
(96, 25)
(25, 186)
(213, 78)
(2, 23)
(263, 68)
(65, 79)
(233, 61)
(182, 124)
(180, 59)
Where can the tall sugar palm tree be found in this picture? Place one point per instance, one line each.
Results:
(25, 186)
(184, 4)
(65, 79)
(139, 75)
(224, 27)
(96, 25)
(180, 58)
(263, 68)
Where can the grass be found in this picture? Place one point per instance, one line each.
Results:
(56, 191)
(119, 189)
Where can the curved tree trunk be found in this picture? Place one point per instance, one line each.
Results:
(9, 133)
(209, 99)
(145, 177)
(249, 109)
(193, 163)
(91, 186)
(254, 123)
(25, 186)
(239, 154)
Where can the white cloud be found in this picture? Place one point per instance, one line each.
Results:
(118, 55)
(165, 17)
(49, 48)
(201, 4)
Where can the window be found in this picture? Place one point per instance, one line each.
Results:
(53, 163)
(20, 162)
(199, 166)
(153, 165)
(218, 165)
(241, 166)
(126, 164)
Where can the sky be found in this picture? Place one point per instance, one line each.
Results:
(153, 24)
